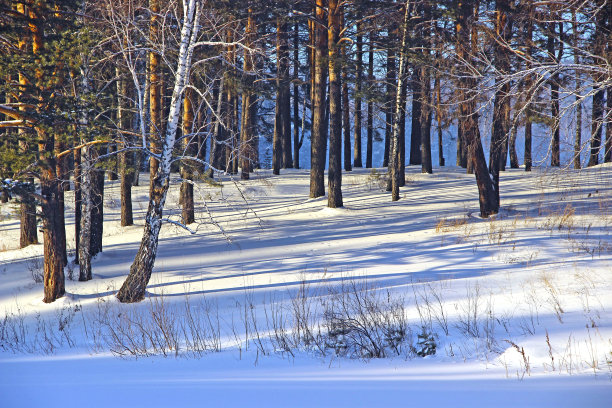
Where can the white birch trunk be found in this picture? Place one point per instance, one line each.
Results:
(86, 165)
(394, 162)
(133, 289)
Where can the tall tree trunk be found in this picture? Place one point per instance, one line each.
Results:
(279, 144)
(155, 89)
(529, 10)
(189, 142)
(335, 107)
(27, 207)
(600, 39)
(53, 223)
(577, 85)
(426, 161)
(27, 213)
(438, 95)
(501, 105)
(61, 213)
(390, 94)
(514, 162)
(396, 163)
(486, 189)
(296, 97)
(415, 128)
(357, 162)
(126, 157)
(97, 205)
(346, 124)
(53, 229)
(287, 160)
(248, 141)
(555, 158)
(319, 128)
(133, 289)
(370, 118)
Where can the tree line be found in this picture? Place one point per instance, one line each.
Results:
(95, 90)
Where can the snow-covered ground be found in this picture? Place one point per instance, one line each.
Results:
(277, 300)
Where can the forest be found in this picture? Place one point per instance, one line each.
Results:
(385, 149)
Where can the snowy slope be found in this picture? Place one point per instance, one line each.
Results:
(519, 307)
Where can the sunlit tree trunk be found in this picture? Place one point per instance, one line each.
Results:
(319, 128)
(335, 107)
(155, 89)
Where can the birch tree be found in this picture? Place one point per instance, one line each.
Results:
(133, 289)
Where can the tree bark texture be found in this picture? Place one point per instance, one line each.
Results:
(319, 128)
(133, 289)
(357, 161)
(335, 106)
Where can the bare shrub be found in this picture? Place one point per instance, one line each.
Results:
(362, 322)
(35, 267)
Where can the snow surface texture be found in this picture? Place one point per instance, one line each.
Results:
(517, 308)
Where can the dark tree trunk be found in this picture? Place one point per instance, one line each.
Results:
(61, 215)
(514, 162)
(281, 150)
(112, 161)
(126, 158)
(319, 128)
(358, 78)
(346, 125)
(415, 128)
(555, 158)
(370, 119)
(597, 118)
(501, 105)
(390, 95)
(486, 190)
(438, 95)
(97, 210)
(248, 141)
(189, 144)
(54, 232)
(296, 98)
(426, 161)
(578, 84)
(53, 235)
(335, 106)
(596, 126)
(217, 135)
(279, 126)
(528, 84)
(27, 211)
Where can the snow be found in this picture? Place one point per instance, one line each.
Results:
(534, 283)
